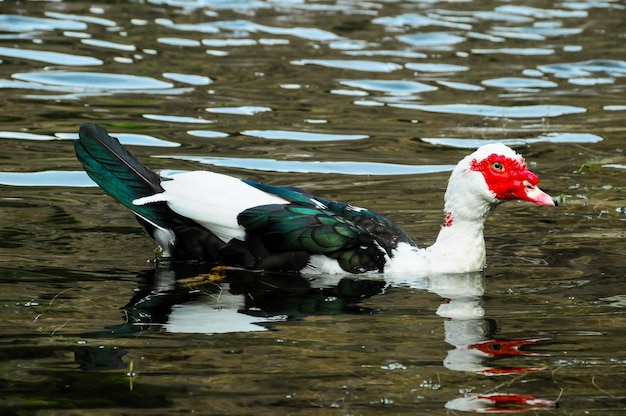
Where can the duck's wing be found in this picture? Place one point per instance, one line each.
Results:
(296, 227)
(386, 231)
(358, 239)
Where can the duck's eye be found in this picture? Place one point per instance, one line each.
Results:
(497, 167)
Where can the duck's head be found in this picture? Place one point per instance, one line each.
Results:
(507, 176)
(495, 173)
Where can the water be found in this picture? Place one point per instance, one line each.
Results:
(367, 102)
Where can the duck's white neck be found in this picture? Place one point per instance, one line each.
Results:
(460, 245)
(461, 240)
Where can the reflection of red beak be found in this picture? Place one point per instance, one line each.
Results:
(499, 348)
(505, 371)
(507, 401)
(504, 347)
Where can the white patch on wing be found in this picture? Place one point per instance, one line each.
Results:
(212, 200)
(150, 199)
(318, 204)
(355, 208)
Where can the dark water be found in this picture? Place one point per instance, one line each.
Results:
(367, 102)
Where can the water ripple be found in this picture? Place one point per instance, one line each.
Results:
(188, 79)
(352, 93)
(368, 103)
(80, 84)
(573, 70)
(244, 110)
(534, 32)
(109, 45)
(56, 58)
(541, 13)
(307, 33)
(189, 27)
(393, 87)
(301, 135)
(80, 18)
(291, 166)
(273, 42)
(215, 4)
(23, 24)
(244, 26)
(432, 67)
(545, 138)
(415, 20)
(483, 36)
(500, 15)
(515, 51)
(178, 42)
(221, 43)
(516, 83)
(357, 65)
(348, 44)
(46, 178)
(76, 35)
(93, 80)
(460, 86)
(20, 135)
(521, 111)
(399, 54)
(432, 40)
(211, 134)
(133, 139)
(176, 119)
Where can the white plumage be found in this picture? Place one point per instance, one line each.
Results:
(212, 200)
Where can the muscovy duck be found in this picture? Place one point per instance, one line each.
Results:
(203, 216)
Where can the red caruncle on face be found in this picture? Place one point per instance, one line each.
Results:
(506, 177)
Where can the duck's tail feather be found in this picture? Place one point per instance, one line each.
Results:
(123, 177)
(119, 173)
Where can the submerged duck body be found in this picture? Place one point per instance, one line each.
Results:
(204, 216)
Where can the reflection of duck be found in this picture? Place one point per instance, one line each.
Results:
(475, 350)
(499, 403)
(206, 216)
(235, 301)
(470, 332)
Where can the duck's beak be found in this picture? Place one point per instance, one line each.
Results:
(530, 192)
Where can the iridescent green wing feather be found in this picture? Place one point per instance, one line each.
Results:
(317, 230)
(388, 234)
